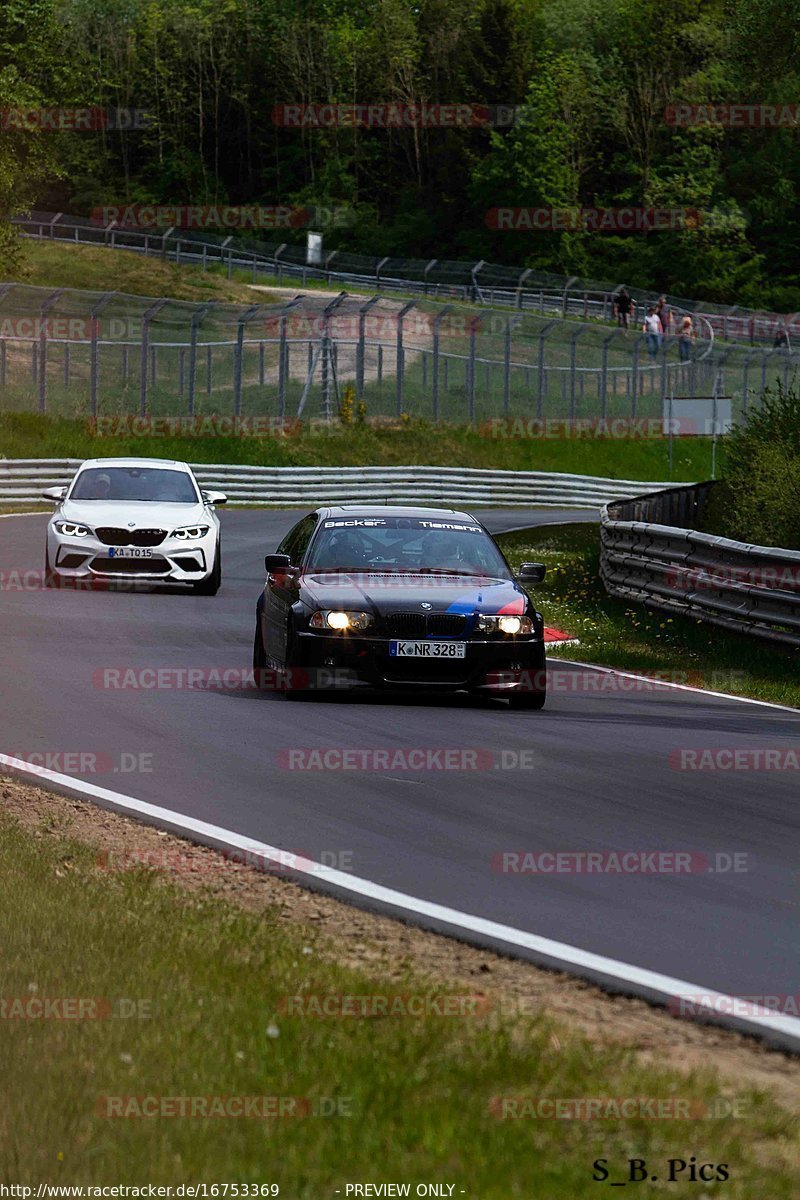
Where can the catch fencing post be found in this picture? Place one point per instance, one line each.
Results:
(442, 313)
(94, 366)
(523, 276)
(635, 378)
(276, 258)
(360, 349)
(510, 323)
(43, 311)
(476, 291)
(283, 356)
(565, 299)
(146, 319)
(543, 332)
(4, 290)
(197, 317)
(425, 273)
(400, 354)
(474, 323)
(573, 366)
(604, 372)
(238, 360)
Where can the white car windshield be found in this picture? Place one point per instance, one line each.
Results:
(158, 484)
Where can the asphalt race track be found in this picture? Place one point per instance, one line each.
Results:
(601, 776)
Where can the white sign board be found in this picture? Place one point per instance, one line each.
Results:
(313, 249)
(697, 416)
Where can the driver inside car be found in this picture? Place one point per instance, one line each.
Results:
(342, 550)
(443, 552)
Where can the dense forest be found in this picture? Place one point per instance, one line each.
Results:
(593, 82)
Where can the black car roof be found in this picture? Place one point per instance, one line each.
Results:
(393, 510)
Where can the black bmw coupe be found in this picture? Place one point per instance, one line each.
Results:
(398, 598)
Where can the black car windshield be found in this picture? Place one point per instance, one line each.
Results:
(416, 544)
(135, 483)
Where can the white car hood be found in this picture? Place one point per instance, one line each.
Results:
(146, 514)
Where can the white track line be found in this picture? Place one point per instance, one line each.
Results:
(785, 1029)
(681, 687)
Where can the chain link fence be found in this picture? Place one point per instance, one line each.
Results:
(485, 283)
(88, 354)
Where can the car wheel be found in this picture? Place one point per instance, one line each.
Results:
(211, 585)
(528, 700)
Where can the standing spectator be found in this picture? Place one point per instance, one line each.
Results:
(781, 340)
(685, 339)
(623, 307)
(664, 314)
(652, 331)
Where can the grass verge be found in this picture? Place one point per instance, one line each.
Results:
(96, 268)
(623, 635)
(402, 443)
(411, 1096)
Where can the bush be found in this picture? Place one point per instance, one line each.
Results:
(759, 498)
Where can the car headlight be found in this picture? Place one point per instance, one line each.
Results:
(71, 529)
(341, 621)
(191, 533)
(505, 624)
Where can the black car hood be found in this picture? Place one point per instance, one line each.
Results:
(380, 593)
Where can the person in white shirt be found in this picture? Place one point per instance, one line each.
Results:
(652, 331)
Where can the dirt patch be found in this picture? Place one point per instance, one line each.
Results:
(360, 939)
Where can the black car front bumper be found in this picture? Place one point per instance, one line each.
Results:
(502, 666)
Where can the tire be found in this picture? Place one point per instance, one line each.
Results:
(211, 585)
(529, 700)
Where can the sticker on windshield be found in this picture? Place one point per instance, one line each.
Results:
(361, 522)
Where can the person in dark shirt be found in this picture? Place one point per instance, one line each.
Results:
(623, 307)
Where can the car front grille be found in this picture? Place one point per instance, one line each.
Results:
(421, 625)
(111, 536)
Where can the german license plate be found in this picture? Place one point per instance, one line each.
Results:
(129, 552)
(398, 649)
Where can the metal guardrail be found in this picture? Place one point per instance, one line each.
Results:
(649, 553)
(21, 481)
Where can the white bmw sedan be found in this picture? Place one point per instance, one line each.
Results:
(134, 518)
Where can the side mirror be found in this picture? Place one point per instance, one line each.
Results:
(56, 494)
(215, 498)
(532, 573)
(278, 564)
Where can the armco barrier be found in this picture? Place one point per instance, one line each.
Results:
(21, 481)
(650, 553)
